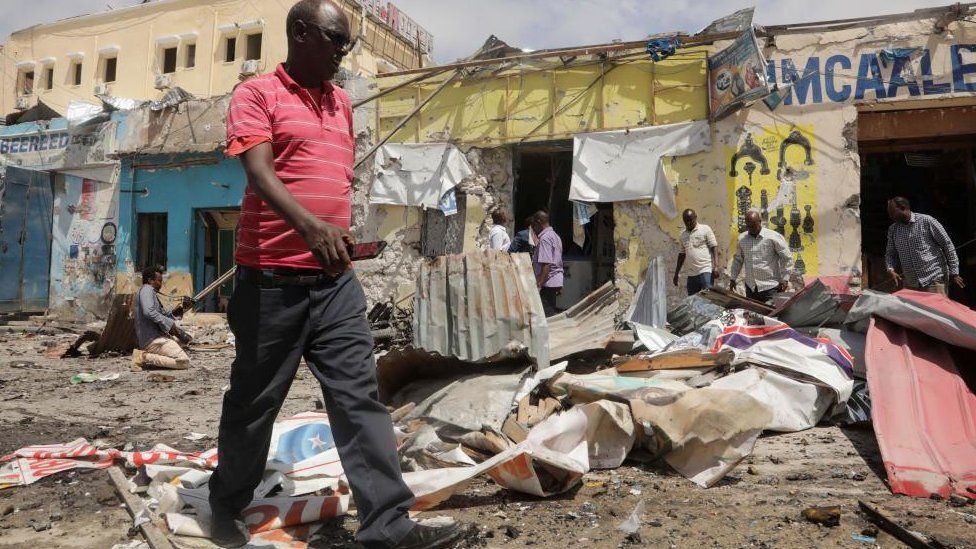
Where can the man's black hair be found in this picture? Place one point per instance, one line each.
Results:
(901, 202)
(149, 273)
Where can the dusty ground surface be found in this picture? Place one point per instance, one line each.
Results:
(758, 505)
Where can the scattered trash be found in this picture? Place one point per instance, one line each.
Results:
(160, 378)
(92, 378)
(196, 436)
(633, 523)
(827, 516)
(871, 540)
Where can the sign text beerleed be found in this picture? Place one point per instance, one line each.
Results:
(840, 78)
(36, 142)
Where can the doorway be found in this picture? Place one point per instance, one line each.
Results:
(907, 153)
(216, 241)
(542, 178)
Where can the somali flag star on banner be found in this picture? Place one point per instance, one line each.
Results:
(304, 442)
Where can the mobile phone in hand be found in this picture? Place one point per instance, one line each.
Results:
(366, 250)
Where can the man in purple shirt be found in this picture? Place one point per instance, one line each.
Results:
(547, 260)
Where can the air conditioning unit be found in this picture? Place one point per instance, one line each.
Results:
(101, 89)
(22, 104)
(249, 67)
(162, 82)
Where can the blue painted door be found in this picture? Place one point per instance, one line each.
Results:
(26, 216)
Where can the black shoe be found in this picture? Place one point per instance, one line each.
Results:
(228, 530)
(430, 537)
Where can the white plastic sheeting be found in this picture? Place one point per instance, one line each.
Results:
(417, 174)
(621, 166)
(796, 405)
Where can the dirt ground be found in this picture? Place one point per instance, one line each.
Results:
(758, 505)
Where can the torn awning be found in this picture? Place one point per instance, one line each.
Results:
(417, 174)
(626, 165)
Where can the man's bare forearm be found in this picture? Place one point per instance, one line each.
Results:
(258, 166)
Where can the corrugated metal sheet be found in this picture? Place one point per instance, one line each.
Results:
(474, 306)
(923, 410)
(586, 326)
(924, 414)
(651, 306)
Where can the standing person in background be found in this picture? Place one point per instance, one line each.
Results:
(766, 258)
(498, 238)
(547, 260)
(296, 294)
(919, 250)
(522, 243)
(699, 247)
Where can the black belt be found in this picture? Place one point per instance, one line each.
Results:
(274, 278)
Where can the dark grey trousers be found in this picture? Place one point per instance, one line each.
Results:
(327, 325)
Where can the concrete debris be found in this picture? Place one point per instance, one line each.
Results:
(827, 516)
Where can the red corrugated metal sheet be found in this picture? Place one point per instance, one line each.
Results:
(923, 412)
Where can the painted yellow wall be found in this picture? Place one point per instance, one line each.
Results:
(136, 32)
(540, 103)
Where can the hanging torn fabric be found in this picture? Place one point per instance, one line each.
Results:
(417, 174)
(662, 48)
(582, 212)
(626, 165)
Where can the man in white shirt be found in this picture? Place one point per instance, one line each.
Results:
(498, 238)
(700, 250)
(766, 258)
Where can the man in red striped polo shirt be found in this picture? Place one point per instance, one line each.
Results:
(296, 293)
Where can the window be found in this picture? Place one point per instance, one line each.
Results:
(151, 236)
(191, 56)
(49, 78)
(76, 74)
(111, 64)
(169, 60)
(230, 52)
(253, 46)
(27, 83)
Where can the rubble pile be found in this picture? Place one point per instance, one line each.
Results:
(695, 394)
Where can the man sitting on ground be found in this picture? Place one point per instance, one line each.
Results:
(155, 328)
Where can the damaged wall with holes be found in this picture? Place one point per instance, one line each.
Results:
(413, 233)
(798, 163)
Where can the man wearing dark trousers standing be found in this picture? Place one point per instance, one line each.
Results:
(296, 294)
(765, 257)
(547, 260)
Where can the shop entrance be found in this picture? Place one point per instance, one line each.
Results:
(927, 156)
(542, 178)
(216, 239)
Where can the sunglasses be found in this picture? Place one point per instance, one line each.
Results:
(343, 45)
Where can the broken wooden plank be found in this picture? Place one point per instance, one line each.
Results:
(732, 300)
(524, 411)
(901, 533)
(514, 430)
(119, 334)
(678, 360)
(154, 536)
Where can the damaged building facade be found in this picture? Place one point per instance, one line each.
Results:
(868, 109)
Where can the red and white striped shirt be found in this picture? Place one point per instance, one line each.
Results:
(314, 149)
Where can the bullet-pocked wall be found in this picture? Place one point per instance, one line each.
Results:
(798, 164)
